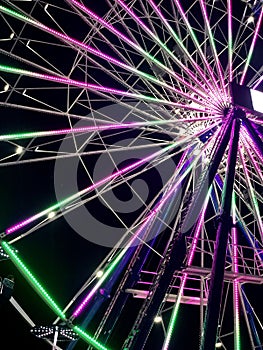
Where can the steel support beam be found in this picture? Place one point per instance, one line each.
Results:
(209, 334)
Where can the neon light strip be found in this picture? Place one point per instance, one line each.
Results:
(122, 253)
(88, 338)
(137, 47)
(88, 189)
(100, 54)
(212, 42)
(252, 194)
(230, 40)
(162, 45)
(67, 200)
(94, 87)
(237, 343)
(32, 280)
(26, 135)
(252, 143)
(179, 42)
(251, 50)
(255, 164)
(118, 258)
(197, 45)
(173, 318)
(44, 295)
(251, 239)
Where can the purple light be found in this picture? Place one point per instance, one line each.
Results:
(146, 221)
(198, 230)
(103, 55)
(147, 30)
(252, 49)
(179, 42)
(94, 87)
(236, 283)
(219, 70)
(230, 40)
(195, 40)
(88, 189)
(138, 48)
(99, 183)
(84, 129)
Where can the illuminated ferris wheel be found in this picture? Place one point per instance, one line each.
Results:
(132, 132)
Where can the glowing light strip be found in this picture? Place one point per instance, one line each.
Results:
(197, 45)
(118, 258)
(255, 165)
(32, 280)
(173, 318)
(88, 189)
(237, 342)
(212, 42)
(179, 42)
(32, 134)
(162, 45)
(252, 194)
(101, 54)
(250, 53)
(230, 40)
(45, 296)
(137, 47)
(94, 87)
(83, 335)
(251, 239)
(75, 196)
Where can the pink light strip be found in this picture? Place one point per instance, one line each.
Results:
(185, 275)
(25, 135)
(103, 55)
(236, 283)
(156, 38)
(255, 165)
(75, 196)
(111, 267)
(251, 142)
(179, 42)
(88, 189)
(94, 87)
(137, 47)
(230, 40)
(252, 194)
(197, 45)
(250, 53)
(210, 34)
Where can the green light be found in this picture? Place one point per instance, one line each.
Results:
(32, 280)
(45, 296)
(16, 14)
(88, 338)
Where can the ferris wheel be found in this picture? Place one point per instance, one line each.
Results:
(131, 154)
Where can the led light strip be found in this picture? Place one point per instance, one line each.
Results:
(237, 342)
(101, 54)
(139, 49)
(251, 50)
(45, 296)
(94, 87)
(25, 135)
